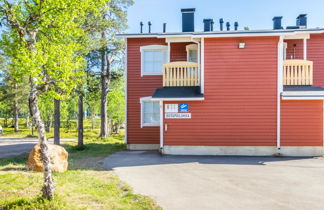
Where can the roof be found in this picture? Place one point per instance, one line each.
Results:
(302, 88)
(178, 92)
(267, 32)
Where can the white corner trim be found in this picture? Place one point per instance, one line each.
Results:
(202, 66)
(279, 88)
(126, 85)
(163, 48)
(146, 99)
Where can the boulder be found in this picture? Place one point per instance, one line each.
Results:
(58, 156)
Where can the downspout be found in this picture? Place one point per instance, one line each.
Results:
(279, 88)
(161, 127)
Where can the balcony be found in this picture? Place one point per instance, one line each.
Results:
(298, 72)
(181, 74)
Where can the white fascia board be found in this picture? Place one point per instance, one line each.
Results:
(225, 34)
(178, 99)
(302, 97)
(303, 93)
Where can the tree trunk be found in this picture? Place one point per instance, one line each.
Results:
(92, 120)
(57, 119)
(105, 77)
(16, 123)
(80, 121)
(48, 124)
(27, 121)
(6, 122)
(48, 186)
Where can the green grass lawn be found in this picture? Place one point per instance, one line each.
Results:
(84, 186)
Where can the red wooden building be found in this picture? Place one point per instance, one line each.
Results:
(226, 92)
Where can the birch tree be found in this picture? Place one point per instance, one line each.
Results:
(44, 41)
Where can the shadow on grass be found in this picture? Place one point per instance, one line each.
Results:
(10, 163)
(91, 156)
(35, 203)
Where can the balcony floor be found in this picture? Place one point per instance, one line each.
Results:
(178, 92)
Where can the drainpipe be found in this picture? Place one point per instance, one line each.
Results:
(161, 127)
(279, 88)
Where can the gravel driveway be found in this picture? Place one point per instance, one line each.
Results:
(206, 182)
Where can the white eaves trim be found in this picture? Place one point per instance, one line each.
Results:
(303, 95)
(178, 99)
(254, 33)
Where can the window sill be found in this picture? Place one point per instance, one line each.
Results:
(150, 125)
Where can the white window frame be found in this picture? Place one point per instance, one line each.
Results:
(147, 99)
(162, 48)
(191, 47)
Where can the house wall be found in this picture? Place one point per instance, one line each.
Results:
(240, 97)
(295, 49)
(315, 53)
(302, 123)
(178, 51)
(138, 87)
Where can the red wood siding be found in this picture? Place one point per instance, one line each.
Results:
(140, 87)
(295, 49)
(240, 97)
(315, 53)
(178, 51)
(302, 123)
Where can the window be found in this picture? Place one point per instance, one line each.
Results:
(150, 112)
(152, 59)
(192, 53)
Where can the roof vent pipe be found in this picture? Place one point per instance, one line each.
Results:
(164, 27)
(301, 21)
(277, 22)
(221, 22)
(228, 26)
(188, 20)
(207, 24)
(212, 25)
(141, 24)
(149, 25)
(236, 26)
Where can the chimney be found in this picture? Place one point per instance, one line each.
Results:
(236, 26)
(212, 25)
(188, 20)
(228, 26)
(301, 21)
(149, 26)
(277, 22)
(164, 27)
(207, 24)
(221, 22)
(141, 24)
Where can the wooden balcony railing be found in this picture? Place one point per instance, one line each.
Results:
(181, 74)
(298, 72)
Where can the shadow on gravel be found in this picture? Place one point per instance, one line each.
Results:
(143, 158)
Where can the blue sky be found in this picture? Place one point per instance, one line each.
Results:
(255, 14)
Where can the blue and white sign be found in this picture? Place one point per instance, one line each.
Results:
(183, 107)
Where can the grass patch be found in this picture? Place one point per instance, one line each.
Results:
(84, 186)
